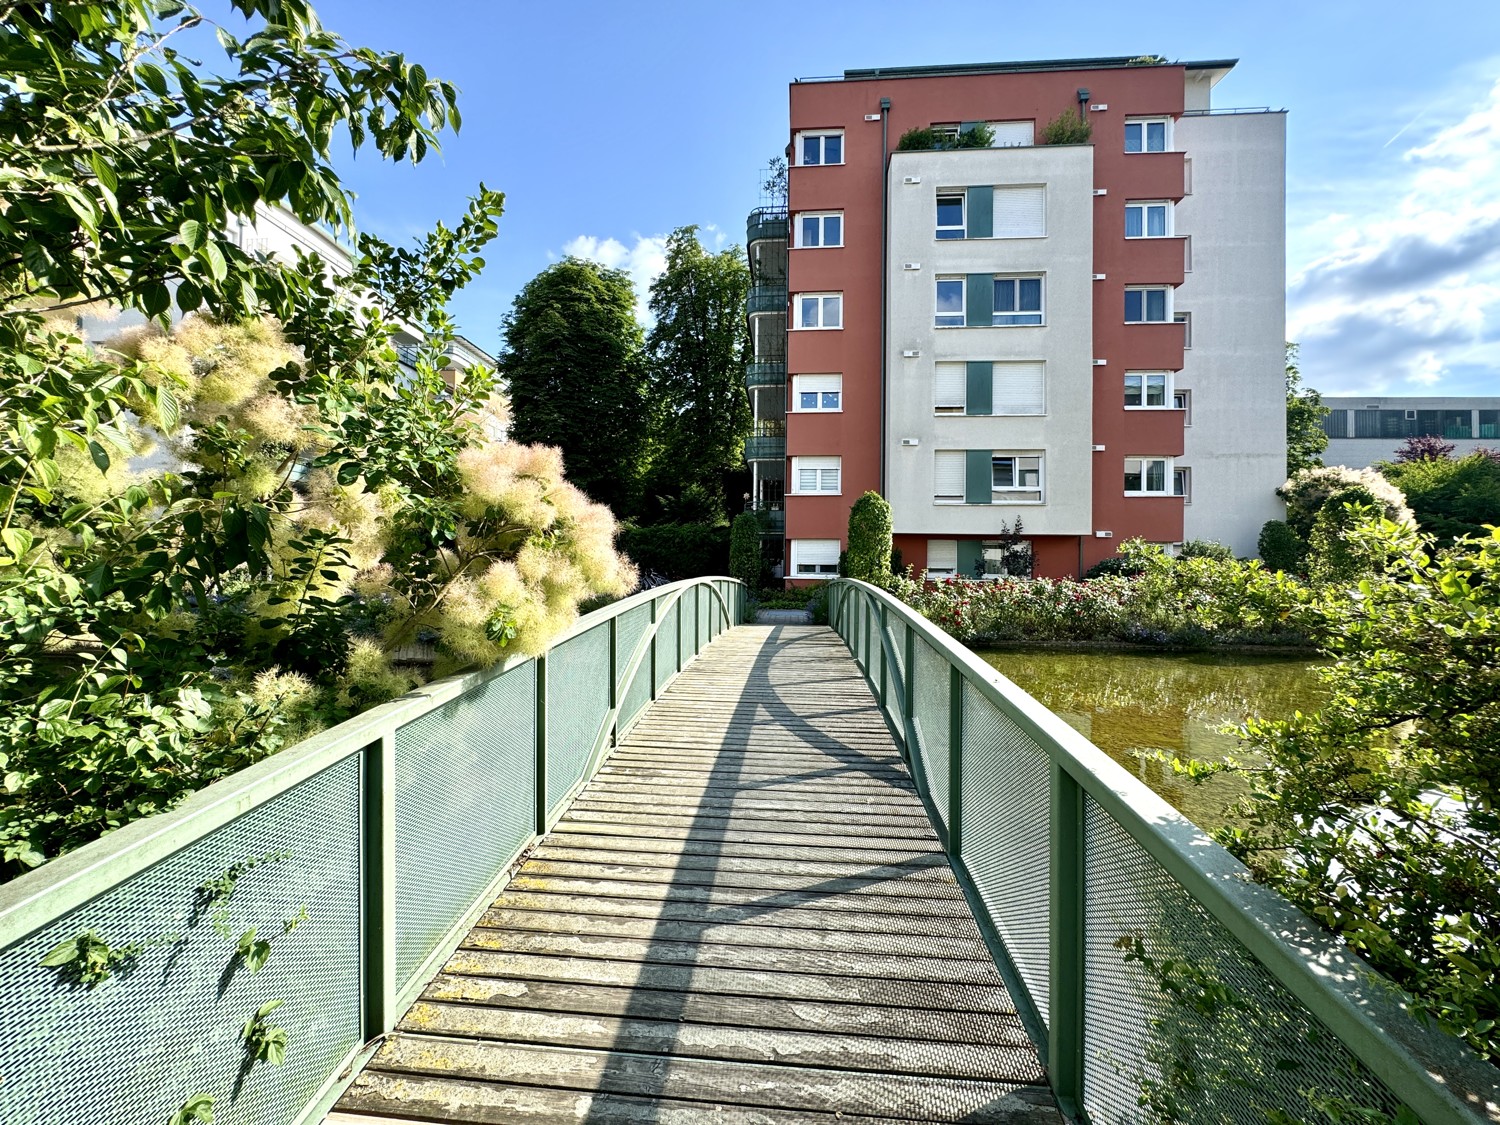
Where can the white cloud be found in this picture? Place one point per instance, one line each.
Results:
(644, 262)
(1399, 296)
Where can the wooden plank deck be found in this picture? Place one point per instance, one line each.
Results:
(744, 918)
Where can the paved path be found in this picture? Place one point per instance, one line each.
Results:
(745, 918)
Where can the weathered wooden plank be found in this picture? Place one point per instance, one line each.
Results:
(930, 867)
(884, 881)
(811, 1089)
(895, 804)
(857, 818)
(831, 848)
(857, 775)
(1001, 1029)
(669, 1037)
(852, 829)
(911, 840)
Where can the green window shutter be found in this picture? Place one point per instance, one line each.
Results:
(978, 477)
(969, 554)
(979, 300)
(980, 393)
(980, 212)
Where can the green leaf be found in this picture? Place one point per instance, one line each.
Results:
(60, 955)
(192, 234)
(18, 541)
(99, 456)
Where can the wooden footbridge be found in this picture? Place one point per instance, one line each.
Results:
(678, 870)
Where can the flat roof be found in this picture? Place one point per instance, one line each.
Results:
(1119, 62)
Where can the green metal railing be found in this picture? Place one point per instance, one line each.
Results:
(383, 838)
(766, 222)
(766, 373)
(765, 447)
(767, 298)
(1159, 982)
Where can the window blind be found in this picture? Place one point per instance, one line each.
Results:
(810, 554)
(816, 474)
(948, 383)
(1020, 211)
(942, 554)
(1018, 388)
(819, 383)
(1009, 134)
(948, 474)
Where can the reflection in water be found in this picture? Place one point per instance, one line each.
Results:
(1133, 702)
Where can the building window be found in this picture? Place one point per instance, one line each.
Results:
(1186, 320)
(1183, 401)
(1489, 423)
(1148, 134)
(948, 476)
(1018, 300)
(1182, 484)
(813, 394)
(942, 558)
(1005, 388)
(1148, 390)
(1016, 478)
(1148, 220)
(820, 310)
(820, 147)
(1013, 134)
(815, 558)
(820, 230)
(950, 303)
(1148, 305)
(950, 215)
(1020, 211)
(815, 475)
(1147, 476)
(1336, 424)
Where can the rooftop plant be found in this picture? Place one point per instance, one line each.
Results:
(977, 135)
(1068, 128)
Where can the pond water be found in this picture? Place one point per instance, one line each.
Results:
(1128, 703)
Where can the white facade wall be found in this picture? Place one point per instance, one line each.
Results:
(1235, 293)
(1064, 257)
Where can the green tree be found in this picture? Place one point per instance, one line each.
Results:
(744, 549)
(1305, 439)
(1450, 497)
(869, 555)
(575, 370)
(697, 351)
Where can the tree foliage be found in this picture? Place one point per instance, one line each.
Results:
(869, 555)
(575, 371)
(1450, 497)
(978, 135)
(1305, 439)
(313, 507)
(1378, 814)
(1069, 127)
(697, 351)
(744, 549)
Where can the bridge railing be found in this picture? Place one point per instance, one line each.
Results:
(360, 857)
(1159, 981)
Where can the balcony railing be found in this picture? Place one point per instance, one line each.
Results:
(764, 373)
(772, 522)
(766, 222)
(765, 447)
(766, 299)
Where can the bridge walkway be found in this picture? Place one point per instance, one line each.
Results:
(745, 917)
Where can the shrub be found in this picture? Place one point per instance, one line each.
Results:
(1424, 447)
(678, 550)
(1307, 492)
(744, 549)
(868, 557)
(1206, 549)
(1068, 128)
(1450, 498)
(977, 135)
(1279, 547)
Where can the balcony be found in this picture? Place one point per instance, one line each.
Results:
(766, 373)
(766, 222)
(766, 299)
(772, 522)
(767, 442)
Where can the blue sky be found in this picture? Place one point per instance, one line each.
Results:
(609, 124)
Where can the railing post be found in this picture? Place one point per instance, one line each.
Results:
(653, 648)
(678, 628)
(380, 984)
(909, 687)
(955, 761)
(614, 678)
(884, 671)
(541, 744)
(1065, 1032)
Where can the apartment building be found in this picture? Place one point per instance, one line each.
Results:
(1362, 431)
(1058, 345)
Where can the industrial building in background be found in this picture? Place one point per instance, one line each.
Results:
(1051, 346)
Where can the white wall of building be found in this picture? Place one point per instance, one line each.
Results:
(1235, 292)
(1064, 256)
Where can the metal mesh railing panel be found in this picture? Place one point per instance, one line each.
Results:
(1181, 1021)
(705, 602)
(666, 644)
(1006, 842)
(874, 655)
(465, 803)
(132, 1050)
(631, 626)
(577, 705)
(931, 684)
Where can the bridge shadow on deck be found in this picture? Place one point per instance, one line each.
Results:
(744, 917)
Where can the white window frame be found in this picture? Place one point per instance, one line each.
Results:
(1170, 312)
(805, 134)
(1182, 483)
(1143, 460)
(1018, 277)
(1186, 320)
(799, 385)
(822, 217)
(823, 570)
(820, 326)
(1143, 122)
(963, 312)
(949, 410)
(1003, 492)
(829, 472)
(963, 216)
(1042, 232)
(1144, 206)
(1183, 401)
(1166, 398)
(949, 497)
(949, 549)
